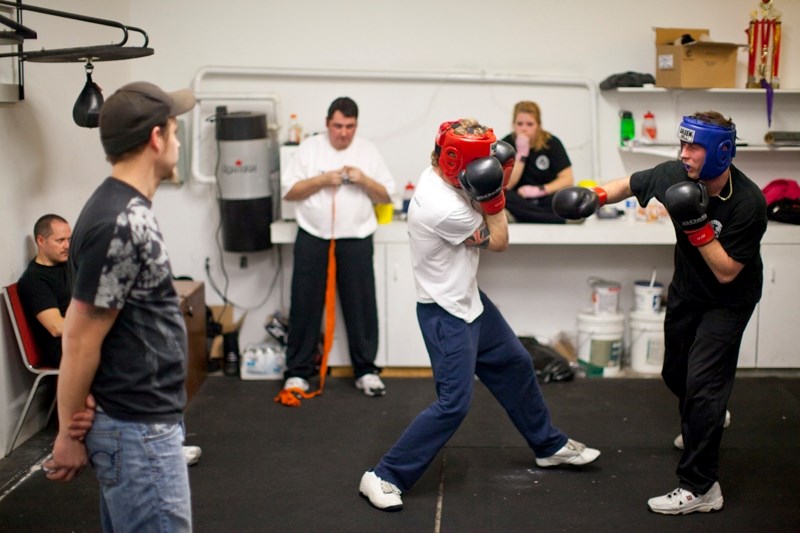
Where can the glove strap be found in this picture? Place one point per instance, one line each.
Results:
(602, 196)
(702, 236)
(494, 205)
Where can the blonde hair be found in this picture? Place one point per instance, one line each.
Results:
(542, 136)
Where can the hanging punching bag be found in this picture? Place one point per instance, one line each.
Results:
(86, 111)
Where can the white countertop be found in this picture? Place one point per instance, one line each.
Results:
(593, 231)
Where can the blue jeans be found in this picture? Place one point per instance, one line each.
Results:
(459, 351)
(144, 481)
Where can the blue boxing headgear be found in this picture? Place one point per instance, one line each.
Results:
(719, 142)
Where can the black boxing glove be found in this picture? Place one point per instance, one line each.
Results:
(482, 179)
(505, 153)
(687, 203)
(578, 202)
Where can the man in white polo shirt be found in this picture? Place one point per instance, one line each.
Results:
(335, 180)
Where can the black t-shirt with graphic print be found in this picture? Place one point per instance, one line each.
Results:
(119, 261)
(739, 223)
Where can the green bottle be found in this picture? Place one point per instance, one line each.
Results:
(627, 129)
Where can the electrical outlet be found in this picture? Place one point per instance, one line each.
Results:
(243, 262)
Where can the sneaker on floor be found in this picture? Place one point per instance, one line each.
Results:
(678, 442)
(296, 383)
(380, 493)
(192, 454)
(371, 384)
(572, 453)
(682, 501)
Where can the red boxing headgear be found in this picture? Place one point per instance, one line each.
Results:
(457, 151)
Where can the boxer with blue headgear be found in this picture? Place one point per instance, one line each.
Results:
(719, 216)
(719, 142)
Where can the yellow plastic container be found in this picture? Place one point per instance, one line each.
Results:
(384, 213)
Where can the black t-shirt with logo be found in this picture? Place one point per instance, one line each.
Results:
(543, 165)
(119, 261)
(738, 222)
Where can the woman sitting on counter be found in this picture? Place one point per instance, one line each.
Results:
(541, 169)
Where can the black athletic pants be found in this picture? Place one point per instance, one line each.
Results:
(701, 351)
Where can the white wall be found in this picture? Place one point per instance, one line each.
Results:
(49, 164)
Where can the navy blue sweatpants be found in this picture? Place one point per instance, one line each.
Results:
(458, 351)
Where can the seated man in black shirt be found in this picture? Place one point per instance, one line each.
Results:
(45, 287)
(45, 290)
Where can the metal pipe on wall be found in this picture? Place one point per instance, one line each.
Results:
(206, 72)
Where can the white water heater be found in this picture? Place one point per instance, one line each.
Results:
(243, 173)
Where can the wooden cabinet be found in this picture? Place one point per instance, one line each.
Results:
(193, 306)
(539, 284)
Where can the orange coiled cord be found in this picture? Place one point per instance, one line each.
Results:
(291, 397)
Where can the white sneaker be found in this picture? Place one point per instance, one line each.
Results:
(678, 442)
(192, 454)
(296, 383)
(572, 453)
(371, 384)
(380, 493)
(682, 501)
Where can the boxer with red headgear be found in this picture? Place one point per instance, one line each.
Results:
(466, 156)
(464, 332)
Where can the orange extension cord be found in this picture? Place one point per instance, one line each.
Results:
(291, 397)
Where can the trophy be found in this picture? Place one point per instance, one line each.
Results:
(764, 47)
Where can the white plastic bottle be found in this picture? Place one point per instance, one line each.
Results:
(649, 127)
(295, 130)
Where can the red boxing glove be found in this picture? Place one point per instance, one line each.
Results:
(505, 154)
(702, 236)
(602, 196)
(482, 180)
(495, 204)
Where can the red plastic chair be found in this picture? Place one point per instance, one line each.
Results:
(31, 356)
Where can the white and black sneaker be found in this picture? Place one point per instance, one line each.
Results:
(296, 383)
(381, 494)
(191, 454)
(371, 384)
(572, 453)
(682, 501)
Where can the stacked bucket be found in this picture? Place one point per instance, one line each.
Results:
(601, 329)
(647, 328)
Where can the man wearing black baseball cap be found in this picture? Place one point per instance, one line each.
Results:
(124, 337)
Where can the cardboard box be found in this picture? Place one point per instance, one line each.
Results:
(702, 64)
(224, 315)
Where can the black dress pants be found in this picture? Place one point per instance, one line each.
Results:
(355, 287)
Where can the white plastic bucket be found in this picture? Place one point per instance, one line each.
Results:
(647, 341)
(600, 343)
(646, 298)
(605, 296)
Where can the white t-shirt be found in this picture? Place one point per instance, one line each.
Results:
(355, 215)
(440, 218)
